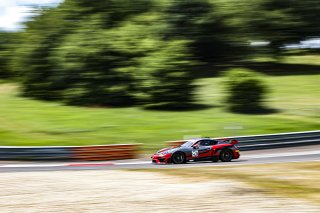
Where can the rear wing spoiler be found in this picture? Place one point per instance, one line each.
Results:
(234, 142)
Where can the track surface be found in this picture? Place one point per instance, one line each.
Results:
(297, 154)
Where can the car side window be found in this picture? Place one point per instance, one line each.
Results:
(205, 143)
(213, 142)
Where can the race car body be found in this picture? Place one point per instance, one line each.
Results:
(202, 149)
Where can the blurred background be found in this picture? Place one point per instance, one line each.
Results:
(92, 72)
(80, 72)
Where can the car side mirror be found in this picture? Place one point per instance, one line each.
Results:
(195, 147)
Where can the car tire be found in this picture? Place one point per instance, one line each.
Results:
(215, 158)
(178, 158)
(226, 155)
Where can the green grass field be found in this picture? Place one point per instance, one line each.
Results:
(302, 59)
(292, 59)
(23, 121)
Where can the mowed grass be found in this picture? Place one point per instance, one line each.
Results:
(294, 180)
(290, 59)
(302, 59)
(23, 121)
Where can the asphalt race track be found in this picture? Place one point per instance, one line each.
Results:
(282, 155)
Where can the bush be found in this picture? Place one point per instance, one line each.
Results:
(245, 91)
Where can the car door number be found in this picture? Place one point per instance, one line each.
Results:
(195, 153)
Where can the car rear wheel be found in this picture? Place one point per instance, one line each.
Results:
(226, 155)
(178, 158)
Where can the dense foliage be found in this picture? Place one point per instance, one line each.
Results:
(7, 44)
(124, 52)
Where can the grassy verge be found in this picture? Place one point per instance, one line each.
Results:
(295, 180)
(30, 122)
(302, 59)
(293, 59)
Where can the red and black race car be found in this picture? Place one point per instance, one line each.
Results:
(201, 149)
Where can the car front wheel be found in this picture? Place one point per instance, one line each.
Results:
(178, 158)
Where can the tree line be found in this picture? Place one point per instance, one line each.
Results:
(146, 52)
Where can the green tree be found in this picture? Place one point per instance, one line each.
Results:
(283, 22)
(32, 56)
(89, 65)
(165, 77)
(8, 41)
(67, 54)
(200, 21)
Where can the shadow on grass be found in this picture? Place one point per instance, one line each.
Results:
(254, 111)
(178, 107)
(268, 68)
(277, 68)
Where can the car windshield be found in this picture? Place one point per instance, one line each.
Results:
(188, 144)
